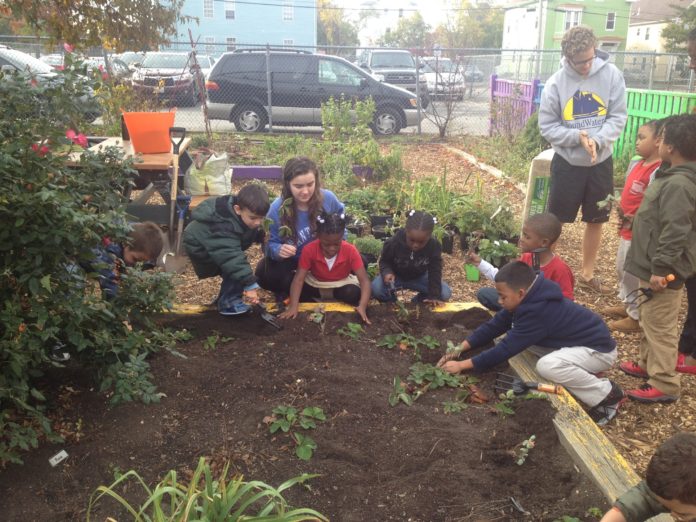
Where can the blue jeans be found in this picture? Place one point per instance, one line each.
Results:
(488, 297)
(230, 293)
(381, 292)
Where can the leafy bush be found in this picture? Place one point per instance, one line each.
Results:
(54, 217)
(368, 245)
(204, 497)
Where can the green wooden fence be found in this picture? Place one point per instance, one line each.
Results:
(649, 105)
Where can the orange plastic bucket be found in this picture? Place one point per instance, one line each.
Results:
(149, 131)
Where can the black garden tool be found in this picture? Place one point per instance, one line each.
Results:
(505, 382)
(267, 316)
(641, 295)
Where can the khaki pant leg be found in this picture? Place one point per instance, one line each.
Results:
(658, 347)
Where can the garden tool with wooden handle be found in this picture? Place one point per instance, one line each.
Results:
(266, 316)
(505, 382)
(176, 135)
(640, 295)
(175, 261)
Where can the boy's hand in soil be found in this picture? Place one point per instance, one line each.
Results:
(473, 258)
(457, 366)
(287, 251)
(363, 314)
(290, 313)
(465, 346)
(251, 296)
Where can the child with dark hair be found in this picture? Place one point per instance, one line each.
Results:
(412, 259)
(669, 485)
(573, 343)
(664, 244)
(293, 218)
(143, 246)
(221, 229)
(638, 179)
(539, 232)
(330, 267)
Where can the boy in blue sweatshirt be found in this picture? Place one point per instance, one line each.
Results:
(574, 344)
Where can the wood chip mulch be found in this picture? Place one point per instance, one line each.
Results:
(639, 428)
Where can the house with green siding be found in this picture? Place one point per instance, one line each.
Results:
(531, 24)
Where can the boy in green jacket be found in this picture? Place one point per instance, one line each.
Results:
(221, 230)
(669, 485)
(664, 244)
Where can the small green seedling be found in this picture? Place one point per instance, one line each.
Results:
(211, 342)
(318, 316)
(453, 348)
(351, 330)
(459, 403)
(404, 341)
(285, 231)
(287, 419)
(504, 406)
(521, 452)
(402, 313)
(594, 512)
(432, 376)
(567, 518)
(400, 393)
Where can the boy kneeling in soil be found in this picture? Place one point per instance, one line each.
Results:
(220, 231)
(669, 485)
(143, 246)
(574, 344)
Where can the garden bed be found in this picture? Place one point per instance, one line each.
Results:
(376, 462)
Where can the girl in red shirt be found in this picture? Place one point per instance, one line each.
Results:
(642, 173)
(330, 267)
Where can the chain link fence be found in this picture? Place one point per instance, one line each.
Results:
(452, 86)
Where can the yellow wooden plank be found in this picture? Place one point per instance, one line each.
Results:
(582, 438)
(190, 308)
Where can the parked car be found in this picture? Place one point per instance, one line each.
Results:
(130, 58)
(472, 73)
(119, 69)
(444, 78)
(393, 66)
(206, 63)
(168, 75)
(12, 60)
(300, 83)
(54, 60)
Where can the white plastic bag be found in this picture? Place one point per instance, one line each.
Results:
(208, 176)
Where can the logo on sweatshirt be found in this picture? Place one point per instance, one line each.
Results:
(584, 110)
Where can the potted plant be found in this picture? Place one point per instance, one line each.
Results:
(497, 252)
(369, 246)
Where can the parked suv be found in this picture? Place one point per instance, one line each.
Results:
(168, 75)
(300, 82)
(393, 66)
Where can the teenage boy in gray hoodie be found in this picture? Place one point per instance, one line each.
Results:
(582, 113)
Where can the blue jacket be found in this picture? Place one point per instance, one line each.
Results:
(543, 318)
(108, 264)
(331, 205)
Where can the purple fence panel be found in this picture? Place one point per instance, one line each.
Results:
(512, 103)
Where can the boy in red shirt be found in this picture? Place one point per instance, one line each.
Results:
(640, 176)
(540, 231)
(330, 267)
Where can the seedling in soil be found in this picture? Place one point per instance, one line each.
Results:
(405, 341)
(453, 348)
(287, 419)
(318, 316)
(401, 392)
(351, 330)
(432, 376)
(211, 342)
(402, 313)
(457, 405)
(594, 512)
(521, 452)
(504, 407)
(470, 394)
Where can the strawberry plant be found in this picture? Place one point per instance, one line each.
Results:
(432, 376)
(401, 392)
(404, 341)
(521, 451)
(287, 419)
(352, 331)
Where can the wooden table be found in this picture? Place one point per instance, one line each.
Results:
(153, 176)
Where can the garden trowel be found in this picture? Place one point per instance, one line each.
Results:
(266, 316)
(505, 382)
(174, 260)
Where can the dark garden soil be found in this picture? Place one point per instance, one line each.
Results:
(376, 462)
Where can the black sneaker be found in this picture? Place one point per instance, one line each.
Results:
(606, 410)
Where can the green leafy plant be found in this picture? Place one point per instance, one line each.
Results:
(594, 512)
(432, 376)
(287, 419)
(351, 330)
(504, 406)
(210, 498)
(567, 518)
(211, 341)
(46, 298)
(497, 252)
(521, 452)
(369, 245)
(401, 392)
(404, 341)
(459, 404)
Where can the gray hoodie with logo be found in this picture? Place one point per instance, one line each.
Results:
(595, 103)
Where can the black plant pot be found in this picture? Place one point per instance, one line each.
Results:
(381, 231)
(368, 258)
(380, 219)
(448, 242)
(358, 230)
(464, 242)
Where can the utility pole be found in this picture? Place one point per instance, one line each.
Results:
(540, 38)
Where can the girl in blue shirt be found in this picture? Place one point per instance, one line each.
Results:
(294, 216)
